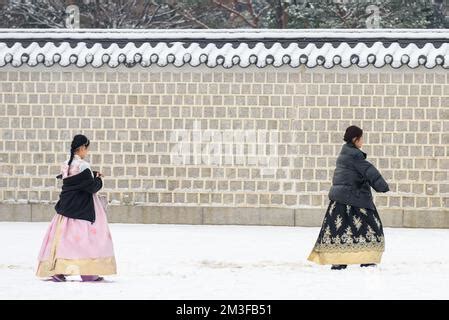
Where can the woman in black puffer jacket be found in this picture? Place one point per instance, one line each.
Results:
(352, 231)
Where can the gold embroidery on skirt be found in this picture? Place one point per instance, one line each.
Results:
(377, 222)
(333, 205)
(347, 236)
(327, 235)
(345, 251)
(370, 234)
(338, 222)
(345, 257)
(98, 266)
(357, 222)
(55, 242)
(351, 246)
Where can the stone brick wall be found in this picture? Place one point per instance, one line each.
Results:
(130, 115)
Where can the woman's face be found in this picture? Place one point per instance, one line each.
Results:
(82, 151)
(358, 142)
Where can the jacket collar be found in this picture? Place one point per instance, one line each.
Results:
(75, 156)
(77, 178)
(351, 149)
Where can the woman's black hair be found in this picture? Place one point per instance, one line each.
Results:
(352, 132)
(78, 141)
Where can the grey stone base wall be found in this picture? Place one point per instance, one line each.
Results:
(304, 217)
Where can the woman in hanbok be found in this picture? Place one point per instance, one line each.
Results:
(78, 240)
(352, 231)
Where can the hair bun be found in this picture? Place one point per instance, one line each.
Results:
(352, 132)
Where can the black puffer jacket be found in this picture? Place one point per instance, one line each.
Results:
(353, 178)
(76, 200)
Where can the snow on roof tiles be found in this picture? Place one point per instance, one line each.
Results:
(225, 47)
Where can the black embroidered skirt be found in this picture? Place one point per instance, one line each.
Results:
(349, 235)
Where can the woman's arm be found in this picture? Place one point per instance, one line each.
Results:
(97, 184)
(94, 184)
(371, 174)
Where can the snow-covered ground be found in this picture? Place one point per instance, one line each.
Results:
(230, 262)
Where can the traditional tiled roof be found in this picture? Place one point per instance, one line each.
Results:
(225, 47)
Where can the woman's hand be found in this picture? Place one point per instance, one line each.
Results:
(100, 175)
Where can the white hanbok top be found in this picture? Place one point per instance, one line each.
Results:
(81, 163)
